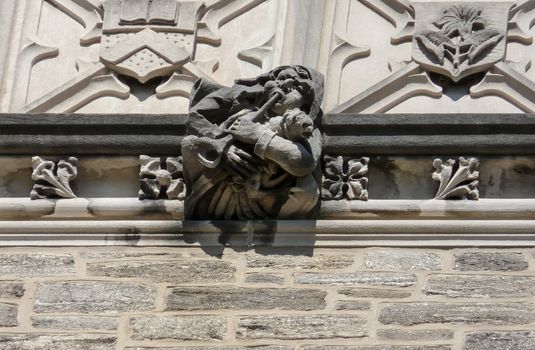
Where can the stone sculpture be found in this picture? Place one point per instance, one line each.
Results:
(160, 179)
(345, 179)
(461, 39)
(52, 179)
(253, 150)
(461, 183)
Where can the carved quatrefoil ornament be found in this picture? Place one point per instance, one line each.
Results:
(458, 39)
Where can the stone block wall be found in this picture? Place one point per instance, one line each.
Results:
(102, 298)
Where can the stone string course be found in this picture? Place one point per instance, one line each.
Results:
(337, 299)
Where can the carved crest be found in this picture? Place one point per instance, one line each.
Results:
(460, 39)
(148, 38)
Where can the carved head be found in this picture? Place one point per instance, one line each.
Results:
(302, 88)
(296, 125)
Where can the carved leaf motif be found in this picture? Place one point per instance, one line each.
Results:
(443, 172)
(174, 166)
(358, 184)
(459, 184)
(53, 180)
(460, 20)
(334, 168)
(357, 168)
(481, 42)
(149, 165)
(434, 43)
(357, 189)
(333, 178)
(177, 188)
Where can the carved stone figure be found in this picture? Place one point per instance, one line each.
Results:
(52, 179)
(161, 179)
(460, 183)
(461, 39)
(253, 150)
(345, 179)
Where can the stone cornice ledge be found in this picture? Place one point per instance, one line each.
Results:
(408, 223)
(345, 134)
(297, 233)
(14, 209)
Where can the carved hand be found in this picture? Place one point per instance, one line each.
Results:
(240, 164)
(247, 131)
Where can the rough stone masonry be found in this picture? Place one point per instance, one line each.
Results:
(334, 299)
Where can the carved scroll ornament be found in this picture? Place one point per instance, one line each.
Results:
(253, 150)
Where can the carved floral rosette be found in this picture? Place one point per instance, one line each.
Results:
(161, 179)
(345, 179)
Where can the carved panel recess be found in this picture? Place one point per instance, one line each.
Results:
(363, 47)
(138, 55)
(400, 67)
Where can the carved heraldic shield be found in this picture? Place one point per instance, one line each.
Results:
(148, 38)
(458, 39)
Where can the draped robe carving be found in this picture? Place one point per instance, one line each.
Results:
(253, 149)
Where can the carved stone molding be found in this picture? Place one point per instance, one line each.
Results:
(509, 81)
(459, 182)
(142, 39)
(345, 178)
(53, 178)
(161, 179)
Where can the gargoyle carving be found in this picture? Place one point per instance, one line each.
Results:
(345, 179)
(460, 183)
(465, 39)
(52, 179)
(253, 150)
(161, 179)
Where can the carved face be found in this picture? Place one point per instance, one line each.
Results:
(291, 84)
(292, 99)
(297, 125)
